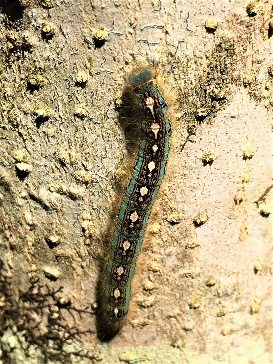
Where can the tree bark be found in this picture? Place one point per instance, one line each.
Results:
(203, 284)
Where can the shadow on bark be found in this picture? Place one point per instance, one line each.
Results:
(12, 8)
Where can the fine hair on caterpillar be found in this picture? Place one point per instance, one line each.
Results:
(129, 119)
(143, 118)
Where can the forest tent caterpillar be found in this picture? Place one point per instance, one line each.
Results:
(136, 204)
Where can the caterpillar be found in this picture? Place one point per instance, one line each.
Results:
(136, 204)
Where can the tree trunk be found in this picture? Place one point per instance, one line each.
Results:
(202, 289)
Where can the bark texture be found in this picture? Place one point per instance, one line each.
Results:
(203, 286)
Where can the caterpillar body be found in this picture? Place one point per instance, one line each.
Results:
(137, 201)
